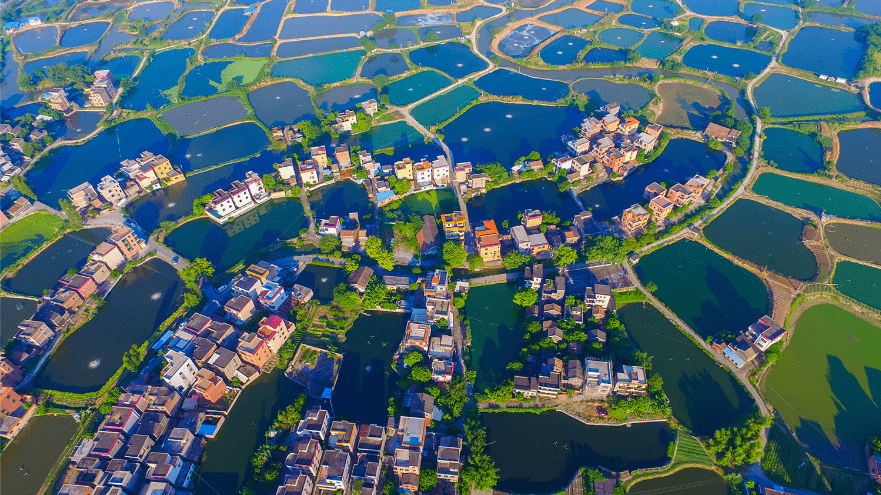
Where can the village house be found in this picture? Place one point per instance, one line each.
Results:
(83, 196)
(300, 295)
(110, 190)
(526, 386)
(13, 412)
(449, 455)
(128, 243)
(102, 90)
(697, 184)
(239, 309)
(442, 370)
(428, 238)
(765, 333)
(343, 435)
(287, 173)
(367, 163)
(342, 156)
(345, 120)
(411, 440)
(83, 285)
(629, 126)
(630, 381)
(423, 172)
(315, 425)
(57, 99)
(253, 350)
(531, 219)
(463, 171)
(10, 373)
(296, 484)
(720, 133)
(634, 218)
(598, 379)
(335, 471)
(598, 295)
(35, 333)
(404, 169)
(454, 225)
(417, 335)
(370, 107)
(440, 169)
(308, 172)
(654, 189)
(275, 331)
(661, 207)
(272, 296)
(330, 226)
(319, 156)
(371, 439)
(360, 278)
(306, 456)
(680, 195)
(209, 386)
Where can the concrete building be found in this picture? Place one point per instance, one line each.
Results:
(180, 372)
(83, 196)
(599, 381)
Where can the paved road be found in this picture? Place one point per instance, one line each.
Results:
(740, 374)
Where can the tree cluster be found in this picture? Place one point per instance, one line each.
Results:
(383, 257)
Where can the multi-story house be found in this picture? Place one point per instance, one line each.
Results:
(423, 172)
(314, 425)
(35, 333)
(331, 226)
(128, 243)
(417, 335)
(319, 156)
(449, 455)
(599, 380)
(82, 196)
(440, 170)
(306, 457)
(630, 381)
(661, 207)
(253, 350)
(404, 169)
(180, 372)
(336, 469)
(454, 225)
(598, 295)
(308, 171)
(654, 189)
(634, 218)
(680, 195)
(343, 436)
(110, 190)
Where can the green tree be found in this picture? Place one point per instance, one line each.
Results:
(22, 185)
(192, 299)
(74, 219)
(199, 269)
(605, 247)
(373, 248)
(329, 243)
(651, 287)
(414, 358)
(525, 297)
(132, 358)
(565, 256)
(375, 293)
(71, 272)
(475, 262)
(345, 298)
(421, 373)
(764, 113)
(459, 301)
(756, 18)
(401, 187)
(351, 265)
(442, 324)
(380, 81)
(515, 259)
(367, 43)
(199, 204)
(714, 144)
(427, 476)
(454, 254)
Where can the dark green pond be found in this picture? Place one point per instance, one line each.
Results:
(27, 460)
(322, 280)
(44, 271)
(320, 69)
(858, 157)
(680, 161)
(704, 396)
(857, 241)
(858, 281)
(145, 297)
(340, 199)
(413, 88)
(764, 235)
(225, 245)
(503, 203)
(435, 202)
(12, 312)
(226, 458)
(689, 481)
(443, 107)
(69, 166)
(541, 453)
(817, 197)
(708, 292)
(792, 151)
(366, 379)
(496, 332)
(789, 96)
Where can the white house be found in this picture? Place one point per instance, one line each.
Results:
(180, 372)
(441, 170)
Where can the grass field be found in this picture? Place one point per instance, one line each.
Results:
(22, 237)
(826, 384)
(433, 202)
(245, 70)
(690, 450)
(786, 462)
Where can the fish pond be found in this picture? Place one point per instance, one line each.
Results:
(603, 6)
(687, 105)
(320, 69)
(393, 135)
(176, 201)
(688, 481)
(442, 32)
(721, 296)
(387, 64)
(858, 156)
(479, 12)
(622, 37)
(788, 96)
(496, 331)
(603, 56)
(680, 161)
(779, 17)
(229, 50)
(571, 18)
(73, 58)
(310, 6)
(503, 132)
(629, 96)
(452, 58)
(563, 50)
(396, 38)
(825, 51)
(416, 87)
(122, 67)
(659, 9)
(27, 460)
(703, 395)
(542, 453)
(311, 47)
(730, 32)
(157, 83)
(145, 297)
(817, 198)
(322, 280)
(719, 8)
(366, 379)
(68, 166)
(229, 24)
(781, 249)
(198, 117)
(639, 21)
(266, 25)
(36, 40)
(792, 151)
(151, 12)
(212, 77)
(84, 34)
(189, 25)
(430, 19)
(442, 108)
(823, 385)
(397, 5)
(734, 62)
(504, 82)
(861, 282)
(325, 25)
(225, 245)
(839, 20)
(857, 241)
(223, 145)
(281, 104)
(340, 199)
(44, 271)
(345, 97)
(658, 45)
(502, 204)
(435, 202)
(349, 5)
(225, 463)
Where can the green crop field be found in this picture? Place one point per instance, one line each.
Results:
(823, 385)
(245, 70)
(690, 450)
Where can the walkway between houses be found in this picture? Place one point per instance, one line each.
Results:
(307, 207)
(740, 374)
